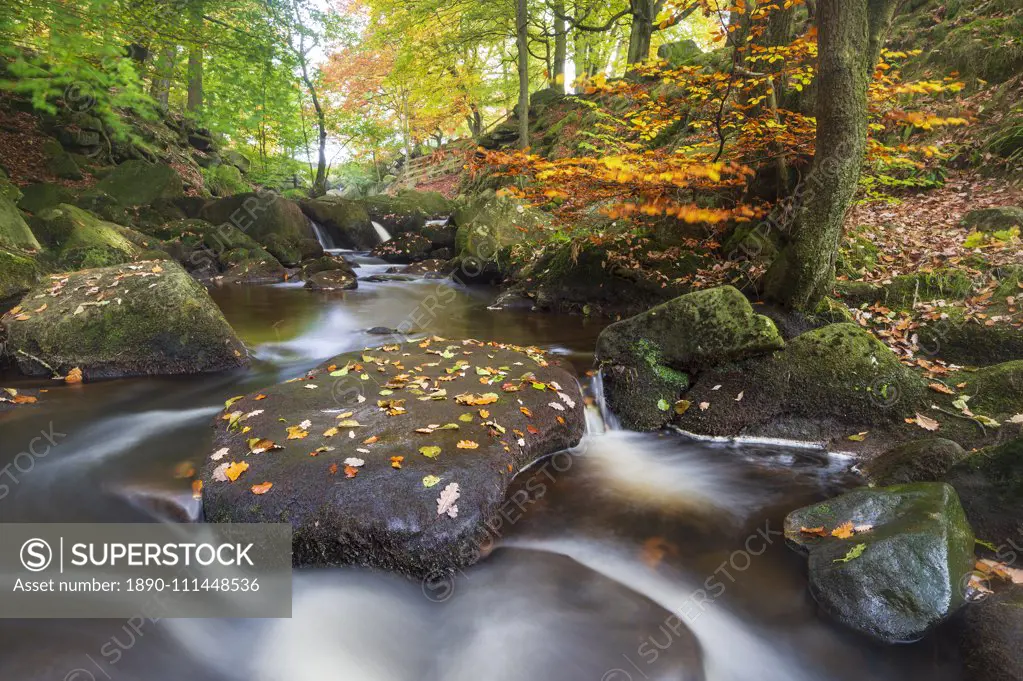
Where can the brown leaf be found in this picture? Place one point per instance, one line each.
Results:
(262, 488)
(197, 489)
(816, 531)
(941, 388)
(927, 423)
(332, 469)
(351, 471)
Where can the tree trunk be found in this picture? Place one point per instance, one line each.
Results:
(643, 14)
(164, 70)
(558, 76)
(521, 40)
(851, 33)
(195, 57)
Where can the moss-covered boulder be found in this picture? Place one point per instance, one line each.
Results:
(966, 339)
(276, 223)
(346, 221)
(78, 239)
(646, 360)
(8, 189)
(924, 460)
(225, 180)
(332, 280)
(236, 159)
(251, 266)
(901, 577)
(42, 195)
(995, 391)
(59, 162)
(408, 210)
(490, 224)
(102, 205)
(127, 320)
(19, 272)
(14, 231)
(372, 497)
(405, 248)
(994, 219)
(134, 183)
(991, 633)
(209, 251)
(990, 483)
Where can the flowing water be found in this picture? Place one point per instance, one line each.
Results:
(381, 232)
(635, 556)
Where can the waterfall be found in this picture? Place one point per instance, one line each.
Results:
(381, 232)
(323, 236)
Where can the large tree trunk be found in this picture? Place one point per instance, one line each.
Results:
(644, 12)
(195, 57)
(521, 40)
(560, 48)
(851, 33)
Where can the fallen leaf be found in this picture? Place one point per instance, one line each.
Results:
(941, 388)
(235, 469)
(430, 480)
(854, 553)
(927, 423)
(467, 444)
(738, 398)
(262, 488)
(859, 437)
(446, 501)
(430, 451)
(704, 406)
(228, 403)
(219, 454)
(297, 433)
(843, 531)
(396, 461)
(351, 471)
(74, 376)
(332, 469)
(816, 531)
(330, 432)
(259, 397)
(370, 440)
(197, 489)
(524, 410)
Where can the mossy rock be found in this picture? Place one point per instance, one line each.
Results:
(646, 360)
(236, 159)
(991, 633)
(925, 460)
(59, 162)
(134, 183)
(225, 180)
(404, 248)
(990, 483)
(38, 197)
(158, 320)
(751, 243)
(9, 190)
(994, 219)
(14, 231)
(251, 266)
(327, 263)
(278, 224)
(831, 311)
(345, 220)
(103, 205)
(904, 576)
(80, 240)
(19, 272)
(995, 391)
(962, 340)
(905, 289)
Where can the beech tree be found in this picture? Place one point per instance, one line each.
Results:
(851, 34)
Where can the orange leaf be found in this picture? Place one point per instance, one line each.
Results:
(817, 531)
(370, 440)
(940, 388)
(526, 411)
(74, 376)
(351, 471)
(197, 489)
(333, 469)
(396, 461)
(262, 488)
(24, 399)
(484, 414)
(843, 531)
(259, 397)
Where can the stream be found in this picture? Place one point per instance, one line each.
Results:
(638, 556)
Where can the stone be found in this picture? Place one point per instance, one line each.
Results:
(345, 220)
(81, 240)
(332, 280)
(898, 580)
(384, 516)
(646, 360)
(14, 231)
(225, 180)
(994, 219)
(42, 195)
(923, 460)
(991, 633)
(136, 182)
(59, 162)
(408, 247)
(278, 224)
(990, 484)
(19, 272)
(236, 159)
(148, 318)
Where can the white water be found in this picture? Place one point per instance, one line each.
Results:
(324, 237)
(381, 232)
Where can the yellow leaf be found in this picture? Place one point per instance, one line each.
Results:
(843, 531)
(467, 444)
(235, 469)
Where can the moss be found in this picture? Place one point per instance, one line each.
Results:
(59, 162)
(14, 231)
(994, 219)
(163, 323)
(42, 195)
(831, 311)
(978, 48)
(990, 483)
(957, 338)
(224, 180)
(134, 183)
(904, 290)
(18, 273)
(924, 460)
(81, 240)
(9, 190)
(995, 391)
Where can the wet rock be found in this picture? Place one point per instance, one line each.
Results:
(404, 249)
(384, 516)
(380, 278)
(990, 484)
(408, 210)
(645, 360)
(134, 183)
(426, 267)
(381, 331)
(924, 460)
(991, 633)
(899, 579)
(332, 280)
(127, 320)
(441, 233)
(347, 221)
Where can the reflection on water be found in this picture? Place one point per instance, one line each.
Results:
(633, 557)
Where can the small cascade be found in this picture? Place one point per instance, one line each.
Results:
(610, 421)
(324, 237)
(381, 232)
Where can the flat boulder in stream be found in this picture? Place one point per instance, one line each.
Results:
(146, 318)
(397, 457)
(889, 562)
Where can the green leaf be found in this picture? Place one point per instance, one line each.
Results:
(227, 405)
(448, 426)
(854, 553)
(430, 451)
(466, 418)
(663, 405)
(430, 480)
